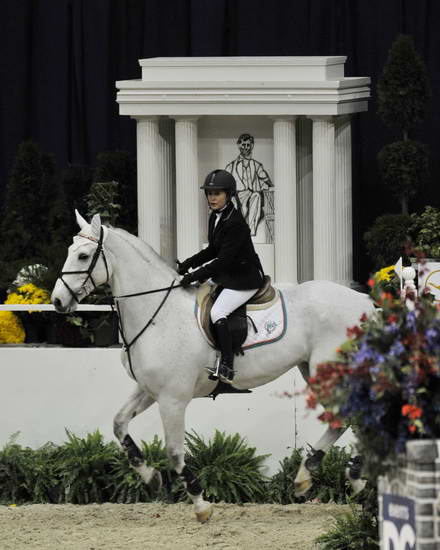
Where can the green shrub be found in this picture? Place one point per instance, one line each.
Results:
(403, 89)
(404, 168)
(85, 468)
(280, 488)
(120, 166)
(356, 530)
(329, 481)
(425, 229)
(227, 468)
(14, 465)
(385, 240)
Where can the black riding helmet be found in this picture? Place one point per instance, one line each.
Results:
(220, 180)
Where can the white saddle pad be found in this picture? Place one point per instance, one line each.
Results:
(270, 320)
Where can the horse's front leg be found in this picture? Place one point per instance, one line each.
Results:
(303, 480)
(172, 412)
(136, 404)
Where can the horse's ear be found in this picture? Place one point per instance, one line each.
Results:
(96, 224)
(79, 219)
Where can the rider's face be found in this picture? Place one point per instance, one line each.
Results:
(217, 199)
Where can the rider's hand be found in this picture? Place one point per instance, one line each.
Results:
(198, 275)
(183, 267)
(187, 280)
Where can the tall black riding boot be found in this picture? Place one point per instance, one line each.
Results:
(224, 341)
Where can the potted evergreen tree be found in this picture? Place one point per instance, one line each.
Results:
(403, 98)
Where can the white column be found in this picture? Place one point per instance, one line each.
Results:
(324, 199)
(149, 180)
(168, 195)
(285, 200)
(187, 187)
(344, 222)
(304, 166)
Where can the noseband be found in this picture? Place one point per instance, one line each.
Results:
(88, 272)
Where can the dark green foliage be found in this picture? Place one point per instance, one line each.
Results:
(403, 90)
(13, 466)
(404, 168)
(356, 530)
(103, 199)
(121, 167)
(425, 230)
(85, 465)
(42, 474)
(385, 240)
(227, 468)
(280, 488)
(329, 481)
(29, 197)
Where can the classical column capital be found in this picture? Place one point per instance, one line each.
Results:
(287, 118)
(146, 118)
(321, 118)
(185, 118)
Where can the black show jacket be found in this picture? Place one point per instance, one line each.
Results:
(235, 264)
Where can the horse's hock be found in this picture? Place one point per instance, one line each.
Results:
(416, 477)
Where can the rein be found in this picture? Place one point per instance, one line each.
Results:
(112, 300)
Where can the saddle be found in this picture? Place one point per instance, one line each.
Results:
(238, 319)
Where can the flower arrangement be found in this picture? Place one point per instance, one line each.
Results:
(28, 294)
(386, 381)
(11, 329)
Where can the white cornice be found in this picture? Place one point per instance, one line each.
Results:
(243, 85)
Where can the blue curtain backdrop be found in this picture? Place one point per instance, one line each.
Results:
(60, 60)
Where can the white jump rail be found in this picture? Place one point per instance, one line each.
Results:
(50, 307)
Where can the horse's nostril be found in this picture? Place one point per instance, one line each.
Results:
(57, 303)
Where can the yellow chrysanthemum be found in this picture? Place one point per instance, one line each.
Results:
(384, 274)
(11, 329)
(28, 294)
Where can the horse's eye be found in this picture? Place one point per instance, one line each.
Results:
(83, 257)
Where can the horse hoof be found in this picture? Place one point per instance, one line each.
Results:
(301, 488)
(205, 515)
(155, 483)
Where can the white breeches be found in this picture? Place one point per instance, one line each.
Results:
(228, 301)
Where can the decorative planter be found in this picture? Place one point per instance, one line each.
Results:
(104, 328)
(409, 499)
(34, 328)
(429, 277)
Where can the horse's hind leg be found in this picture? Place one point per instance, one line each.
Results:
(136, 404)
(303, 480)
(172, 412)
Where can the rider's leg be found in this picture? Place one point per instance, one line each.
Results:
(136, 404)
(172, 412)
(227, 302)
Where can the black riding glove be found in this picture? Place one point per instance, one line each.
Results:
(183, 267)
(189, 278)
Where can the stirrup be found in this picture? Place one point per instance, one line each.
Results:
(213, 371)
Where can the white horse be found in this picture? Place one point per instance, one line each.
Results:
(168, 360)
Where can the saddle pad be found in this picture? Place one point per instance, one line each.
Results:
(270, 320)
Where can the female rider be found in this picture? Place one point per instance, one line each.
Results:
(233, 262)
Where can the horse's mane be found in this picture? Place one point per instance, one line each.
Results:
(143, 249)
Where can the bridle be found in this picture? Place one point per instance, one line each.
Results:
(88, 272)
(110, 299)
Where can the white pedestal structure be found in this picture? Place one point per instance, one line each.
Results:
(311, 168)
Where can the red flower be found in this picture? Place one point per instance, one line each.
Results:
(370, 282)
(392, 318)
(411, 411)
(311, 401)
(412, 428)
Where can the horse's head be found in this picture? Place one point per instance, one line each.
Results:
(85, 268)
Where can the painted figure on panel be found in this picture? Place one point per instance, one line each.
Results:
(254, 187)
